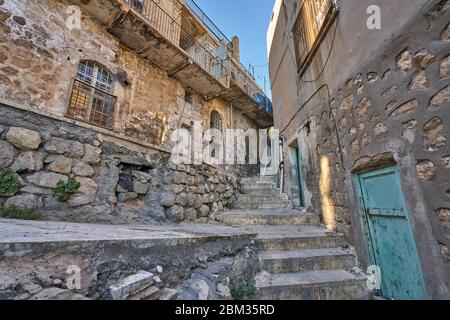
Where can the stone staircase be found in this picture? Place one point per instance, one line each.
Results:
(300, 260)
(261, 193)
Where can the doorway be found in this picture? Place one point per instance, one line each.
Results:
(296, 178)
(389, 232)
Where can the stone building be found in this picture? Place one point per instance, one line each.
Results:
(364, 117)
(92, 90)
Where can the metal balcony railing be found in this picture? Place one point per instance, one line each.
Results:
(244, 78)
(246, 82)
(170, 27)
(206, 21)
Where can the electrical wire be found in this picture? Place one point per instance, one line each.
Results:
(325, 85)
(328, 57)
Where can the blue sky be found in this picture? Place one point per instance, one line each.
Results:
(248, 19)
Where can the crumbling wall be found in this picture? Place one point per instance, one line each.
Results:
(394, 109)
(39, 57)
(121, 181)
(43, 271)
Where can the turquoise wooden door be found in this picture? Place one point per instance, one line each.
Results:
(389, 231)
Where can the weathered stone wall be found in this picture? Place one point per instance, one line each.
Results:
(398, 103)
(39, 57)
(200, 269)
(393, 109)
(196, 193)
(121, 181)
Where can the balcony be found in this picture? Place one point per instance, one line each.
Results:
(245, 94)
(168, 34)
(166, 40)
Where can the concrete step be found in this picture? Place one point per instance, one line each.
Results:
(267, 179)
(261, 191)
(258, 201)
(246, 198)
(313, 285)
(254, 205)
(276, 262)
(259, 184)
(296, 242)
(243, 218)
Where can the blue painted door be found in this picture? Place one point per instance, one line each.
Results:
(390, 236)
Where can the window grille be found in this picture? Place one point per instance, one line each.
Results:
(313, 21)
(91, 99)
(216, 120)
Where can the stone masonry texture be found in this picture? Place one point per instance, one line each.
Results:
(392, 109)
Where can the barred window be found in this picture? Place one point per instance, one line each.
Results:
(216, 120)
(92, 97)
(313, 21)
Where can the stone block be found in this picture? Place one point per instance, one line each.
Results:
(46, 179)
(123, 197)
(175, 213)
(168, 199)
(444, 68)
(36, 190)
(61, 164)
(23, 139)
(27, 201)
(405, 61)
(58, 146)
(76, 150)
(82, 169)
(426, 170)
(7, 154)
(204, 211)
(140, 187)
(141, 176)
(190, 214)
(92, 154)
(28, 161)
(85, 194)
(131, 285)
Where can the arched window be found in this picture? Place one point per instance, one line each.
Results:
(216, 120)
(92, 97)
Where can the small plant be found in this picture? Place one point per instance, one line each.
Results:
(210, 205)
(229, 205)
(14, 212)
(243, 291)
(63, 190)
(9, 182)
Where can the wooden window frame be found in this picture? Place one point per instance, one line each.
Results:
(219, 120)
(330, 17)
(88, 94)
